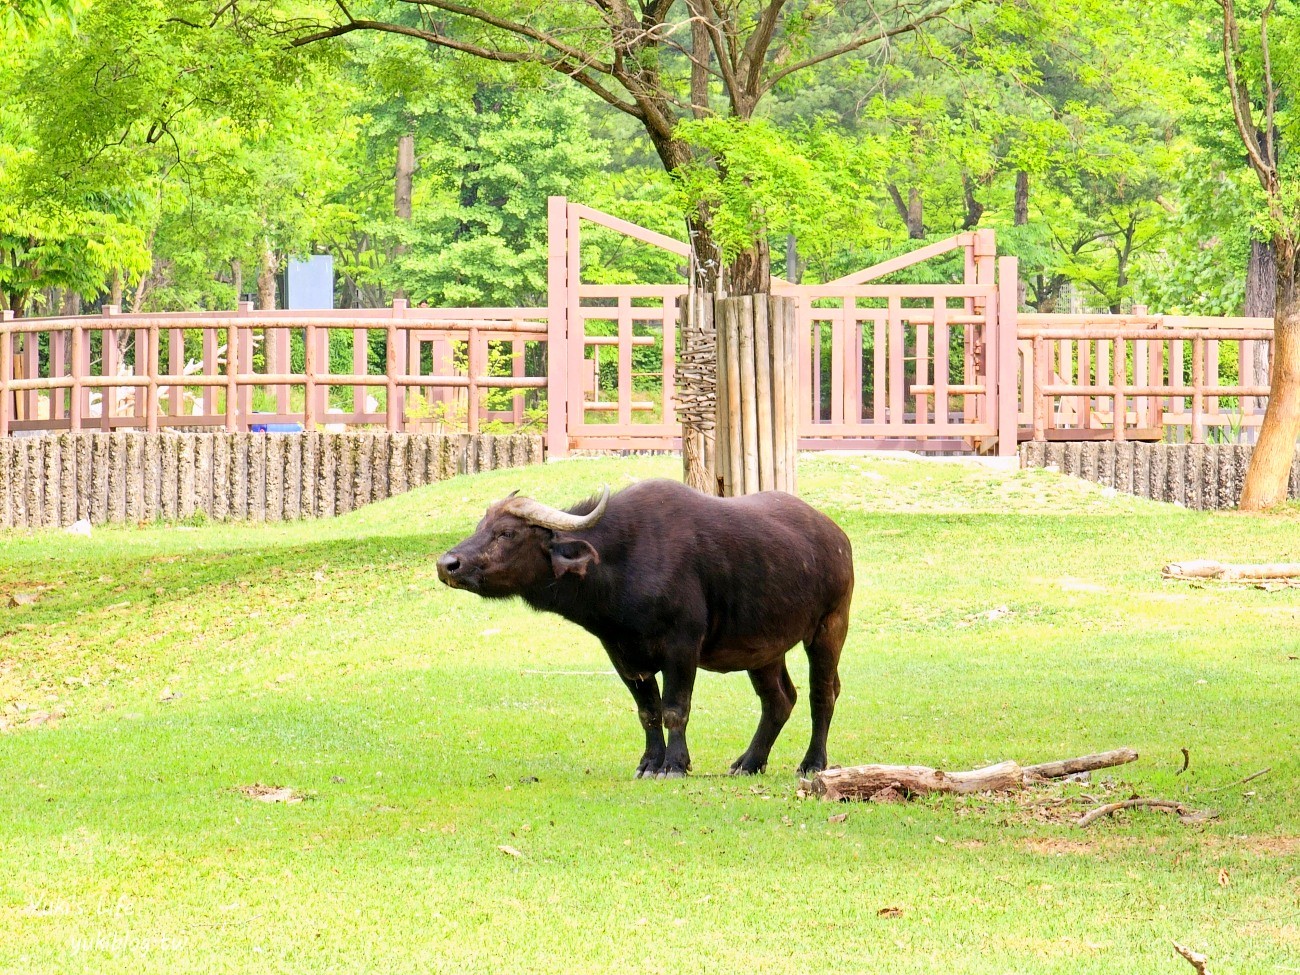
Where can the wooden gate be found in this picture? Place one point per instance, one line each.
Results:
(879, 365)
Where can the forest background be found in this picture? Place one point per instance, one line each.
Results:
(168, 155)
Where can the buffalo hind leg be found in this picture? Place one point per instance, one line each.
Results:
(824, 683)
(649, 709)
(776, 692)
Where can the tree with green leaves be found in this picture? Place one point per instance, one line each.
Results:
(1259, 42)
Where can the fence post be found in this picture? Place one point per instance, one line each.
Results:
(232, 377)
(79, 359)
(153, 356)
(1008, 376)
(475, 367)
(6, 368)
(309, 378)
(108, 368)
(557, 351)
(392, 408)
(1119, 373)
(1042, 376)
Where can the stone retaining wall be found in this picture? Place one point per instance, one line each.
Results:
(57, 479)
(1201, 476)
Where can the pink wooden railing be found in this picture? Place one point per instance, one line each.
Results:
(53, 387)
(1126, 377)
(951, 366)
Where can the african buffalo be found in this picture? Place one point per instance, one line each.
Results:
(671, 580)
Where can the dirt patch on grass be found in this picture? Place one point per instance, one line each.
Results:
(1275, 846)
(1057, 846)
(271, 793)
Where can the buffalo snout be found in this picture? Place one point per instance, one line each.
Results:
(449, 568)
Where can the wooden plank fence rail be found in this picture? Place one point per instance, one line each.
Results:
(150, 392)
(1126, 377)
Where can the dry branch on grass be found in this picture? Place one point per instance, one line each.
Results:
(889, 782)
(1185, 813)
(1283, 572)
(1197, 960)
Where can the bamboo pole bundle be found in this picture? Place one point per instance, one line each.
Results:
(757, 434)
(748, 393)
(765, 443)
(722, 422)
(735, 463)
(782, 374)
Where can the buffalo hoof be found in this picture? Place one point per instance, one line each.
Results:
(743, 767)
(649, 766)
(808, 769)
(671, 773)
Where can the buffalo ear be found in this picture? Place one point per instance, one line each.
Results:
(572, 555)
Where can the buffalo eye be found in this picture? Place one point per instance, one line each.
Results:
(507, 533)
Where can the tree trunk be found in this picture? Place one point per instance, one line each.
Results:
(237, 274)
(1022, 199)
(266, 269)
(750, 272)
(115, 290)
(1270, 462)
(1020, 219)
(696, 392)
(1261, 299)
(912, 212)
(402, 195)
(974, 208)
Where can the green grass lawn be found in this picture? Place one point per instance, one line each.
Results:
(996, 616)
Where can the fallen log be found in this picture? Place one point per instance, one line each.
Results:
(1229, 572)
(863, 782)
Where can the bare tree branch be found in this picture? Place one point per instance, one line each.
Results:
(1270, 93)
(754, 54)
(578, 72)
(1239, 95)
(523, 30)
(857, 43)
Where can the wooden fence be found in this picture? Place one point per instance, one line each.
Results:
(952, 367)
(1140, 377)
(54, 480)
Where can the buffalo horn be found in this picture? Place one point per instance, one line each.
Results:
(547, 517)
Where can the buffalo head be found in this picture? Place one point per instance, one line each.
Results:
(519, 545)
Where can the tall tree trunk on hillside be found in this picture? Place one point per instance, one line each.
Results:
(974, 208)
(1020, 218)
(911, 212)
(402, 194)
(237, 277)
(1261, 300)
(1268, 476)
(267, 267)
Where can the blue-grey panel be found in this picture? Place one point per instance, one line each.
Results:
(309, 283)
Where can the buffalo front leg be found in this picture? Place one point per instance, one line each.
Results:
(824, 683)
(679, 683)
(776, 692)
(649, 709)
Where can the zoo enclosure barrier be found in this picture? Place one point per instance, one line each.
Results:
(952, 367)
(1142, 377)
